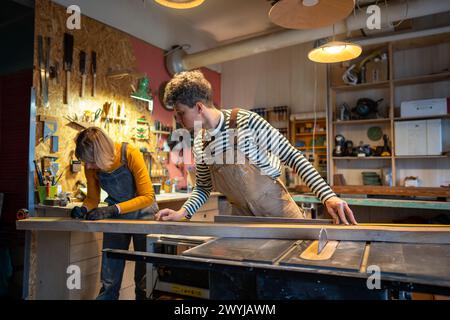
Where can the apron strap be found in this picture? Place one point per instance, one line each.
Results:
(233, 125)
(123, 153)
(233, 118)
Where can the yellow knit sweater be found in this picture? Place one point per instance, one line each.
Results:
(144, 188)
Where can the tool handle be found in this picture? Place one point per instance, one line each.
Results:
(83, 84)
(67, 87)
(94, 85)
(38, 173)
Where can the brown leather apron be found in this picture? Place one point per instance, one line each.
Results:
(250, 192)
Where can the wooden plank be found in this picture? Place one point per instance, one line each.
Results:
(90, 287)
(386, 203)
(85, 251)
(77, 238)
(52, 261)
(312, 252)
(406, 234)
(383, 190)
(248, 219)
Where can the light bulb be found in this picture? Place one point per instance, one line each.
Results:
(310, 3)
(334, 49)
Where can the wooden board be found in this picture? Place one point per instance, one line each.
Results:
(347, 256)
(312, 252)
(412, 260)
(385, 203)
(382, 190)
(247, 219)
(405, 234)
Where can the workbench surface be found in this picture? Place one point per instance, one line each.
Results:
(400, 233)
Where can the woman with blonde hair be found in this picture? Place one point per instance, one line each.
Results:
(120, 170)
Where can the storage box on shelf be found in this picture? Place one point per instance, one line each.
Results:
(418, 69)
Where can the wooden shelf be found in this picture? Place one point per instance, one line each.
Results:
(443, 116)
(320, 147)
(415, 43)
(320, 133)
(422, 157)
(385, 190)
(161, 132)
(362, 86)
(423, 79)
(367, 121)
(362, 158)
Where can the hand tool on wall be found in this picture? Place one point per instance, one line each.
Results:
(54, 144)
(54, 73)
(83, 72)
(68, 60)
(47, 70)
(57, 180)
(38, 173)
(44, 68)
(50, 128)
(94, 73)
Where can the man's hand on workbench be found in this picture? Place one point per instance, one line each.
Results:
(340, 211)
(103, 213)
(78, 212)
(171, 215)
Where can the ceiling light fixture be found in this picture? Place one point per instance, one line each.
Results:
(335, 51)
(180, 4)
(309, 14)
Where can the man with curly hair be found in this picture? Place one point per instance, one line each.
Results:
(250, 181)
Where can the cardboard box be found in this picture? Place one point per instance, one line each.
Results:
(423, 137)
(425, 108)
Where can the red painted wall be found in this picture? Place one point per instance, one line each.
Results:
(14, 136)
(150, 60)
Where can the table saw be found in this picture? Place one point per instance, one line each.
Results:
(261, 259)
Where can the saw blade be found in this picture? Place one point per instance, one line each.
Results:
(323, 239)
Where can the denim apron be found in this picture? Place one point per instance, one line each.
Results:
(120, 186)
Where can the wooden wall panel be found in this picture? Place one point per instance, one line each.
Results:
(279, 77)
(114, 50)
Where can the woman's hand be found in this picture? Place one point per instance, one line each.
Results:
(339, 209)
(103, 213)
(171, 215)
(78, 212)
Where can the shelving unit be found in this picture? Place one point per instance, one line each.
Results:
(303, 134)
(418, 69)
(277, 116)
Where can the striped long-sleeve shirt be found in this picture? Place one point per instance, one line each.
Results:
(262, 145)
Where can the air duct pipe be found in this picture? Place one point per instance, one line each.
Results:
(178, 60)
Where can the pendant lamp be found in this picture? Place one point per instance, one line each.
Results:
(180, 4)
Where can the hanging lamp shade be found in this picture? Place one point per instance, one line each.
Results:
(180, 4)
(308, 14)
(335, 51)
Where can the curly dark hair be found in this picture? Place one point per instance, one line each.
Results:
(188, 88)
